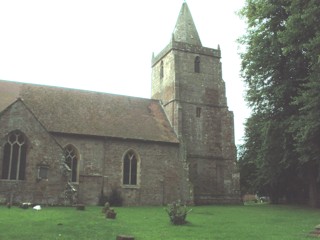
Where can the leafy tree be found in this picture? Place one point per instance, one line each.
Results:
(247, 157)
(303, 38)
(280, 68)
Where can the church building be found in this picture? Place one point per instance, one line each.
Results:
(67, 146)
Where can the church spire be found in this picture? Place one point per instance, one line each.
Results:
(185, 29)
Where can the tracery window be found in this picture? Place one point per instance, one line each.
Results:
(14, 156)
(197, 64)
(72, 158)
(130, 168)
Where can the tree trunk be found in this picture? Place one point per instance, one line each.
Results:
(313, 194)
(313, 191)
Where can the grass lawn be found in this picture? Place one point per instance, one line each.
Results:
(152, 223)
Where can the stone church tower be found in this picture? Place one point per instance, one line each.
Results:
(187, 79)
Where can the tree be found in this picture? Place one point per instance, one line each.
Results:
(278, 67)
(303, 37)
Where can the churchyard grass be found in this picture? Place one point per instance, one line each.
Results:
(257, 221)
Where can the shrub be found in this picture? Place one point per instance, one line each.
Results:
(177, 213)
(106, 207)
(111, 214)
(114, 198)
(102, 199)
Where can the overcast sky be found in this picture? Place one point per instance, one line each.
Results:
(105, 45)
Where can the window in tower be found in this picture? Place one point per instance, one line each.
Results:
(198, 112)
(161, 69)
(197, 64)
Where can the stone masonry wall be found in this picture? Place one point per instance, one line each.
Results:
(42, 149)
(161, 177)
(197, 108)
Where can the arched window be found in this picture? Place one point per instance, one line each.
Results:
(72, 158)
(14, 156)
(197, 64)
(161, 69)
(130, 168)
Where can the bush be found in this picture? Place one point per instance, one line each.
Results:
(177, 213)
(114, 198)
(102, 199)
(106, 207)
(109, 212)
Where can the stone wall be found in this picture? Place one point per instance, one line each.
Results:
(42, 150)
(196, 105)
(161, 176)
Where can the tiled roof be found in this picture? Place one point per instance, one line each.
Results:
(82, 112)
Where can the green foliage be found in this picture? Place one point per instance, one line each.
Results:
(102, 199)
(177, 213)
(261, 222)
(280, 66)
(109, 212)
(114, 198)
(106, 207)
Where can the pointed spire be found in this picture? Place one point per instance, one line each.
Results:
(185, 29)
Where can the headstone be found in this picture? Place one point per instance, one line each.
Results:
(124, 237)
(315, 232)
(80, 207)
